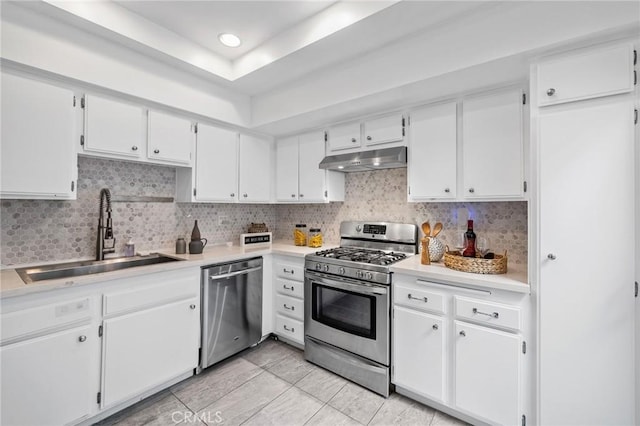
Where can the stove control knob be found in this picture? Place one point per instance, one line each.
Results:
(326, 268)
(341, 270)
(318, 266)
(359, 274)
(369, 276)
(358, 228)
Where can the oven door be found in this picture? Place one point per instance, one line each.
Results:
(348, 314)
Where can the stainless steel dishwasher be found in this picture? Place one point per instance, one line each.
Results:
(231, 308)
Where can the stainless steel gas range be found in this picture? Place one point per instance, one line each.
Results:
(347, 292)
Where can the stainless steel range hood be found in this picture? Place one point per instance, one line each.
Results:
(387, 158)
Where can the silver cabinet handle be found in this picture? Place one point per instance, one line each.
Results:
(156, 151)
(471, 190)
(293, 308)
(447, 190)
(424, 299)
(192, 306)
(492, 315)
(369, 138)
(435, 326)
(82, 338)
(462, 333)
(286, 271)
(134, 148)
(245, 195)
(353, 140)
(551, 91)
(551, 256)
(287, 288)
(293, 330)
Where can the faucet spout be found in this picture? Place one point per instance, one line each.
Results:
(106, 242)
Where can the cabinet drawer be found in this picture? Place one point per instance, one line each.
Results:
(152, 290)
(290, 271)
(588, 74)
(290, 288)
(286, 305)
(290, 328)
(489, 313)
(425, 300)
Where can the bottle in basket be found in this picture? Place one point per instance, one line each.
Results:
(470, 239)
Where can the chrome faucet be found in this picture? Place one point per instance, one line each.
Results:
(106, 242)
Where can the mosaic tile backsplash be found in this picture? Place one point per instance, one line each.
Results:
(35, 231)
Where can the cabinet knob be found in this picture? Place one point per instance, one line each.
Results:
(471, 190)
(134, 148)
(192, 306)
(551, 256)
(82, 338)
(301, 195)
(551, 91)
(462, 333)
(353, 140)
(293, 195)
(233, 194)
(369, 138)
(245, 195)
(156, 151)
(435, 326)
(447, 190)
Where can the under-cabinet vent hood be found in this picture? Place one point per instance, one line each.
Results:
(387, 158)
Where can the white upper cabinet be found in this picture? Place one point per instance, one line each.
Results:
(216, 166)
(344, 136)
(432, 162)
(169, 138)
(113, 128)
(255, 168)
(492, 140)
(38, 140)
(298, 177)
(383, 130)
(587, 74)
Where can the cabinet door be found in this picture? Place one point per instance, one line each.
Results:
(38, 136)
(112, 127)
(433, 153)
(169, 138)
(311, 178)
(145, 349)
(345, 136)
(587, 74)
(384, 130)
(586, 178)
(48, 380)
(487, 373)
(255, 170)
(287, 169)
(419, 352)
(216, 164)
(492, 146)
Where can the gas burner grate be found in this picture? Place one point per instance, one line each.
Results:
(374, 257)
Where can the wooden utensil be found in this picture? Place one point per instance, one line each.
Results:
(425, 259)
(437, 229)
(426, 228)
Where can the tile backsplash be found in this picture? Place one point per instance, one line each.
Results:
(35, 231)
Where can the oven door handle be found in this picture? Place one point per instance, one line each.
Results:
(356, 288)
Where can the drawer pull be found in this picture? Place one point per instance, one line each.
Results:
(424, 299)
(286, 271)
(292, 308)
(287, 288)
(293, 330)
(493, 315)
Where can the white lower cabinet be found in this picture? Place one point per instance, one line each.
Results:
(461, 350)
(289, 298)
(421, 369)
(487, 373)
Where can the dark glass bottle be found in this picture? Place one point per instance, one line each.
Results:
(195, 233)
(470, 238)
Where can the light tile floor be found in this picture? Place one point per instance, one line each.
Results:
(272, 384)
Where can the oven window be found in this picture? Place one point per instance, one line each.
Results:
(344, 310)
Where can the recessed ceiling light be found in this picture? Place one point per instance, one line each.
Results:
(229, 40)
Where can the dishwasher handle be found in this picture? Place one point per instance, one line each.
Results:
(233, 274)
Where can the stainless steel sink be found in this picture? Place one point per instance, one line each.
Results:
(87, 267)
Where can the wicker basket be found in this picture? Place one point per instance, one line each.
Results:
(475, 265)
(258, 227)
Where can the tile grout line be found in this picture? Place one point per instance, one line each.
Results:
(276, 397)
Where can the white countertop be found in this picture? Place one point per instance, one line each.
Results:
(513, 280)
(11, 285)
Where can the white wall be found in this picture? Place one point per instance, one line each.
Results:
(33, 39)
